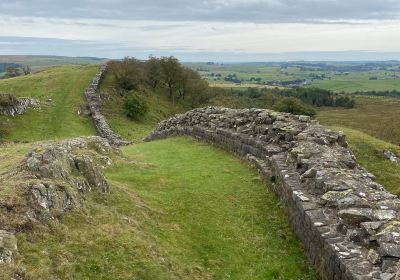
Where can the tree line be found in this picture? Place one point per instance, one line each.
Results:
(165, 75)
(320, 97)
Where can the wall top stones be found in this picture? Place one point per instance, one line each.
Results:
(349, 224)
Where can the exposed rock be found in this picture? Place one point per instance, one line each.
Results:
(392, 157)
(18, 106)
(77, 161)
(8, 246)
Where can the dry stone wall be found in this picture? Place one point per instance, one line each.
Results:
(348, 223)
(94, 103)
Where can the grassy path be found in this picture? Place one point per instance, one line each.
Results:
(59, 118)
(179, 209)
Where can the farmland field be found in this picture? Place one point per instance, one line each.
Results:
(338, 76)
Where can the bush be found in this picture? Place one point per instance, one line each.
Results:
(7, 99)
(135, 106)
(4, 129)
(294, 106)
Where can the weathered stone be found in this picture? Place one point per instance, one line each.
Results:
(389, 250)
(94, 103)
(355, 216)
(8, 246)
(373, 256)
(18, 107)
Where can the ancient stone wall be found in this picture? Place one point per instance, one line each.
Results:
(94, 103)
(348, 223)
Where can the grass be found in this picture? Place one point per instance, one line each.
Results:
(375, 116)
(349, 82)
(160, 108)
(57, 119)
(179, 209)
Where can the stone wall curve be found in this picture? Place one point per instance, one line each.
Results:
(348, 223)
(94, 103)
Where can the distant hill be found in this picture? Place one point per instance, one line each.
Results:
(39, 60)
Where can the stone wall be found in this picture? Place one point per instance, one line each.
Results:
(348, 223)
(94, 103)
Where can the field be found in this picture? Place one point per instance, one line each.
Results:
(338, 77)
(61, 93)
(178, 209)
(376, 116)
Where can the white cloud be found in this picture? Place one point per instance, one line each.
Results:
(213, 36)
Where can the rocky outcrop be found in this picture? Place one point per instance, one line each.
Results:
(18, 106)
(8, 247)
(348, 223)
(94, 103)
(392, 157)
(51, 180)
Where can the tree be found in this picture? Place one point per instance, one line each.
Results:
(135, 106)
(171, 72)
(128, 73)
(27, 70)
(294, 106)
(153, 72)
(12, 72)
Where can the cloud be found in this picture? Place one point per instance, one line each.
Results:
(209, 10)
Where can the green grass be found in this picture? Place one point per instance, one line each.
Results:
(369, 152)
(58, 119)
(350, 82)
(160, 108)
(375, 116)
(178, 209)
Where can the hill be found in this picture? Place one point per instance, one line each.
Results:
(41, 61)
(60, 91)
(166, 214)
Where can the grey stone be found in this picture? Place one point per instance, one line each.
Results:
(8, 246)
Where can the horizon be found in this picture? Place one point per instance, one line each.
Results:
(212, 30)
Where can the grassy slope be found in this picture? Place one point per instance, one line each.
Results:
(58, 119)
(160, 108)
(378, 117)
(179, 209)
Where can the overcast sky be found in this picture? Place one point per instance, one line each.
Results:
(203, 30)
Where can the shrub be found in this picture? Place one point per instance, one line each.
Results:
(294, 106)
(4, 129)
(7, 99)
(135, 106)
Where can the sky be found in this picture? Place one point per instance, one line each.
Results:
(204, 30)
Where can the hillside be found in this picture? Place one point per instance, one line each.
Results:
(60, 92)
(166, 214)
